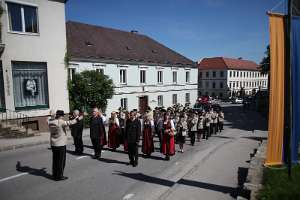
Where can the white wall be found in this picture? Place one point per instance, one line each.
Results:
(49, 46)
(134, 89)
(217, 80)
(255, 77)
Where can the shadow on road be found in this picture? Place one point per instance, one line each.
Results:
(33, 171)
(112, 161)
(146, 178)
(73, 153)
(234, 192)
(238, 118)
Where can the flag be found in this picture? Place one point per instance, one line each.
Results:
(276, 97)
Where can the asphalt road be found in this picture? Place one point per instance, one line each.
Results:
(211, 169)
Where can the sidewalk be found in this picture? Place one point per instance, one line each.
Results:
(41, 138)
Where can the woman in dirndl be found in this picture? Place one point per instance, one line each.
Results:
(113, 132)
(181, 132)
(148, 130)
(168, 143)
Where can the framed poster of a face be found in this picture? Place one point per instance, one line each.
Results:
(30, 87)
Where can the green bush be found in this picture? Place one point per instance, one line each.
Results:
(89, 89)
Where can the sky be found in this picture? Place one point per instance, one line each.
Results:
(193, 28)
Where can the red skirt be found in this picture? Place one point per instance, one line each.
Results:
(113, 137)
(125, 145)
(103, 141)
(147, 145)
(168, 145)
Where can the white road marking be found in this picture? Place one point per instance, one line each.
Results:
(12, 177)
(128, 196)
(80, 157)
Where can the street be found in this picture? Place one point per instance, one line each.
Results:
(212, 169)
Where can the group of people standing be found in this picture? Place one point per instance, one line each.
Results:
(170, 125)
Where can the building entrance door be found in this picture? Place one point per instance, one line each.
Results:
(143, 104)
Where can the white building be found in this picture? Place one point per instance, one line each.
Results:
(33, 76)
(225, 77)
(144, 72)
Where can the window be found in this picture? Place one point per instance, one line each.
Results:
(71, 73)
(214, 74)
(2, 97)
(221, 73)
(233, 84)
(247, 74)
(221, 95)
(207, 84)
(237, 74)
(124, 103)
(187, 77)
(22, 18)
(244, 74)
(101, 71)
(30, 83)
(221, 85)
(143, 76)
(230, 74)
(200, 74)
(123, 76)
(187, 97)
(159, 76)
(174, 77)
(207, 74)
(233, 73)
(241, 74)
(237, 84)
(160, 100)
(174, 98)
(214, 85)
(230, 84)
(200, 84)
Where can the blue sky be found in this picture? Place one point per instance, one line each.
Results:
(194, 28)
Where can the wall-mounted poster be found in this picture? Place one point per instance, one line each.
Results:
(30, 87)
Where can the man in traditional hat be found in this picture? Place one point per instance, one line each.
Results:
(76, 132)
(58, 141)
(97, 132)
(132, 136)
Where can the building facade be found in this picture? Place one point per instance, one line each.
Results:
(33, 76)
(144, 72)
(225, 77)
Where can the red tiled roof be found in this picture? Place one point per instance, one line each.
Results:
(227, 63)
(86, 41)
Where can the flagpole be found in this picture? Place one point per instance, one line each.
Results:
(288, 87)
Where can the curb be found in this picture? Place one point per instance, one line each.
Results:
(30, 144)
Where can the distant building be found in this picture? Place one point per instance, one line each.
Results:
(224, 77)
(144, 72)
(33, 77)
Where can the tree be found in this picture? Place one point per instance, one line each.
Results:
(265, 63)
(88, 89)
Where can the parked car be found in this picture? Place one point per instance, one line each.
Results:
(237, 101)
